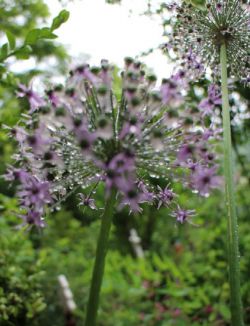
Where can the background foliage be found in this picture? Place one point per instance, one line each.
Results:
(183, 278)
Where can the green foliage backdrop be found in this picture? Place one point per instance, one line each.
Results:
(183, 278)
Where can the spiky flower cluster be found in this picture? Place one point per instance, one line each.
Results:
(91, 131)
(199, 33)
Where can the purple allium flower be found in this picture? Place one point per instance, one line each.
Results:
(132, 127)
(186, 152)
(219, 7)
(85, 138)
(183, 215)
(34, 193)
(14, 174)
(170, 93)
(83, 73)
(201, 32)
(213, 133)
(33, 218)
(193, 64)
(133, 198)
(208, 104)
(19, 134)
(204, 179)
(87, 133)
(34, 99)
(54, 96)
(122, 163)
(119, 172)
(149, 196)
(192, 165)
(38, 140)
(165, 196)
(87, 201)
(105, 73)
(105, 128)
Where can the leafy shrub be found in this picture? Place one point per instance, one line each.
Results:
(182, 280)
(21, 297)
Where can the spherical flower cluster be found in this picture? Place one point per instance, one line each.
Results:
(198, 34)
(90, 131)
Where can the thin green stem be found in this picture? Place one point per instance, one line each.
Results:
(233, 247)
(101, 251)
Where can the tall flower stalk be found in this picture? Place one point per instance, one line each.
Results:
(218, 35)
(101, 251)
(233, 246)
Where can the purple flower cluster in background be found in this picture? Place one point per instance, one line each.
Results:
(198, 31)
(34, 99)
(134, 140)
(33, 193)
(182, 215)
(208, 104)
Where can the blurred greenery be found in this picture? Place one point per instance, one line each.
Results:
(183, 278)
(21, 273)
(181, 281)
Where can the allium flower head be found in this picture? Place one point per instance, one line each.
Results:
(182, 215)
(203, 31)
(87, 133)
(207, 105)
(34, 99)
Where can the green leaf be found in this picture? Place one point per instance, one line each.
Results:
(60, 19)
(10, 79)
(2, 70)
(4, 51)
(39, 33)
(32, 36)
(225, 311)
(47, 33)
(23, 52)
(11, 39)
(200, 4)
